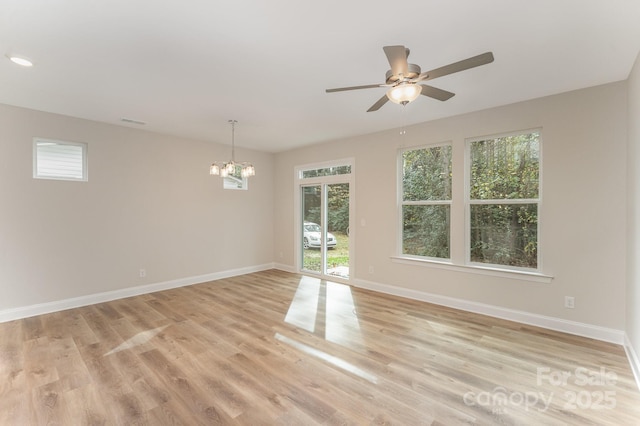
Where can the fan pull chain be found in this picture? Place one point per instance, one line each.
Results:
(403, 129)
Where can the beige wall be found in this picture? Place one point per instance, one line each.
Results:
(149, 203)
(582, 216)
(633, 218)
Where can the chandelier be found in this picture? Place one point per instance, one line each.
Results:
(228, 168)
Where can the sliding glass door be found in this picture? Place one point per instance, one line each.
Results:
(325, 210)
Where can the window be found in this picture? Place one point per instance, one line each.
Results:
(59, 160)
(426, 201)
(326, 171)
(503, 198)
(235, 180)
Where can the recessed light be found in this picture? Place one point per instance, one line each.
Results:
(20, 60)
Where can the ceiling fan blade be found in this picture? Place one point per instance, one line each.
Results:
(465, 64)
(342, 89)
(435, 93)
(397, 57)
(383, 100)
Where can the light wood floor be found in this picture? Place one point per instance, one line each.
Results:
(280, 348)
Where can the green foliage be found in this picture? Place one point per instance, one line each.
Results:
(328, 171)
(504, 169)
(311, 204)
(426, 230)
(338, 213)
(505, 234)
(426, 174)
(338, 206)
(426, 177)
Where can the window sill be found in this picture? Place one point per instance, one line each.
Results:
(475, 269)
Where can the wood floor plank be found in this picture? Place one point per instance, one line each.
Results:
(72, 371)
(49, 406)
(101, 324)
(17, 409)
(280, 348)
(12, 375)
(185, 389)
(39, 366)
(86, 406)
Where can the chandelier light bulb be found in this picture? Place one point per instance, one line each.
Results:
(248, 171)
(231, 167)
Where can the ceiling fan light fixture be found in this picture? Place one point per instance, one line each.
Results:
(403, 77)
(404, 93)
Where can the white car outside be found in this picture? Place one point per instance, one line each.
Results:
(312, 236)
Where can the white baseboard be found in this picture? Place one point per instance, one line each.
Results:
(572, 327)
(634, 361)
(285, 268)
(76, 302)
(557, 324)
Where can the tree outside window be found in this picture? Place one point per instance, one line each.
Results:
(426, 201)
(503, 199)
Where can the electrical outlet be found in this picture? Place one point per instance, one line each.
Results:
(143, 273)
(569, 302)
(371, 269)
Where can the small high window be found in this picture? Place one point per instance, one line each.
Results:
(59, 160)
(235, 180)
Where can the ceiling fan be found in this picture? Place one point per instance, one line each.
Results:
(403, 77)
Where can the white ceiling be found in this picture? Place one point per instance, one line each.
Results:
(186, 68)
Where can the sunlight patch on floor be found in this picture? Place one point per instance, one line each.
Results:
(137, 340)
(331, 359)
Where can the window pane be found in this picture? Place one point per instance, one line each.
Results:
(505, 168)
(311, 230)
(327, 171)
(427, 174)
(426, 230)
(505, 234)
(338, 226)
(59, 160)
(235, 180)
